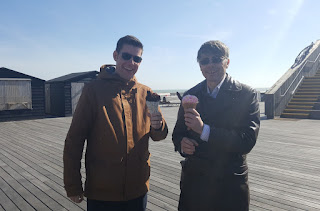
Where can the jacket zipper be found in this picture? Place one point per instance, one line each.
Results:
(124, 159)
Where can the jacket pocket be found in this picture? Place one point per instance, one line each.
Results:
(145, 166)
(238, 173)
(138, 172)
(106, 176)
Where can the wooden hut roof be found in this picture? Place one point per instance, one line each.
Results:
(8, 73)
(72, 77)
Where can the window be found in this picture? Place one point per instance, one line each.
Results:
(15, 93)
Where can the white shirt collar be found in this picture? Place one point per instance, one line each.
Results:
(215, 91)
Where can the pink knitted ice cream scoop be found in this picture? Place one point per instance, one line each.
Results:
(189, 101)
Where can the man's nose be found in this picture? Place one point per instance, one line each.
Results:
(132, 61)
(211, 64)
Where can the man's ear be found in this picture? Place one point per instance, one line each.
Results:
(227, 63)
(115, 55)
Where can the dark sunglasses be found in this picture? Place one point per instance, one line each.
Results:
(127, 56)
(214, 60)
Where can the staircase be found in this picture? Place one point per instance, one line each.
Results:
(305, 103)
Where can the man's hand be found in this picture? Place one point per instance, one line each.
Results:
(77, 199)
(156, 120)
(188, 146)
(193, 120)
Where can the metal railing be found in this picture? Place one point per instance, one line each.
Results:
(298, 75)
(281, 93)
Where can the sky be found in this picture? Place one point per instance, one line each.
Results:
(49, 39)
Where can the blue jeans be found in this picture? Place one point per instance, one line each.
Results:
(138, 204)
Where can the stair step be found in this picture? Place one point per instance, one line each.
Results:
(311, 99)
(316, 89)
(295, 115)
(304, 92)
(300, 106)
(304, 111)
(300, 95)
(302, 103)
(305, 99)
(308, 85)
(309, 90)
(311, 79)
(311, 83)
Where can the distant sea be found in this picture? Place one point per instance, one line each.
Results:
(171, 91)
(262, 89)
(181, 91)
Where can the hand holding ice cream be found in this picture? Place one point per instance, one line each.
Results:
(152, 101)
(192, 117)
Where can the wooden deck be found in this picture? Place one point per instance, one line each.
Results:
(284, 166)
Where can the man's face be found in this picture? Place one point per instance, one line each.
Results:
(127, 61)
(213, 68)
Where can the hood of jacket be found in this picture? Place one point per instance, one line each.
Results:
(108, 72)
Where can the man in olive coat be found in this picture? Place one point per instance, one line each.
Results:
(215, 137)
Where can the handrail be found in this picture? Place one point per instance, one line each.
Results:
(298, 75)
(297, 85)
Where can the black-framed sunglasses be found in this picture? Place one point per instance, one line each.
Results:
(127, 56)
(214, 60)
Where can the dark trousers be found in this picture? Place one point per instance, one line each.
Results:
(230, 197)
(202, 190)
(138, 204)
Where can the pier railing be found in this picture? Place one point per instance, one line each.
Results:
(277, 98)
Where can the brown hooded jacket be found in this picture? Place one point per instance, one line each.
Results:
(112, 116)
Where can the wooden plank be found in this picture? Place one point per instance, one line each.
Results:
(42, 181)
(24, 189)
(283, 166)
(35, 188)
(160, 204)
(5, 202)
(14, 195)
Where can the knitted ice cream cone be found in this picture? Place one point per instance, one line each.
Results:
(153, 106)
(152, 101)
(189, 101)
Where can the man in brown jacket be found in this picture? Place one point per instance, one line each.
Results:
(222, 130)
(112, 116)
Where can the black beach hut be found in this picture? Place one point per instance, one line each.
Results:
(21, 96)
(62, 93)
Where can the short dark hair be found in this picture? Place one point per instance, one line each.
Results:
(215, 47)
(129, 40)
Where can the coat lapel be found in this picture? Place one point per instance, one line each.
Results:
(225, 100)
